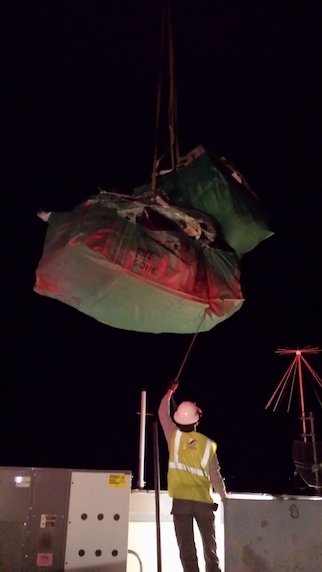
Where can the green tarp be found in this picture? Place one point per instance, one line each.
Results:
(213, 185)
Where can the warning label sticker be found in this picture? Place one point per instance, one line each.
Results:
(23, 482)
(117, 481)
(44, 559)
(47, 520)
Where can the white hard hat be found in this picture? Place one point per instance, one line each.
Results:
(187, 413)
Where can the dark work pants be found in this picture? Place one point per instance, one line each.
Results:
(184, 512)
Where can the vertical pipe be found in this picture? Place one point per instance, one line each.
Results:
(318, 489)
(156, 463)
(298, 354)
(141, 481)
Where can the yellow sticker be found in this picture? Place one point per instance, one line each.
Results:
(117, 481)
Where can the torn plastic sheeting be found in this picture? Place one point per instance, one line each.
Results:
(130, 276)
(154, 209)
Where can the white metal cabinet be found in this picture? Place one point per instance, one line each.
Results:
(97, 530)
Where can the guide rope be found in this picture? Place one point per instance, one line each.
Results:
(190, 347)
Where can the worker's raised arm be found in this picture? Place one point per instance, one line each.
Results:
(167, 424)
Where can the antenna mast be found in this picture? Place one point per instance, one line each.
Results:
(289, 379)
(306, 455)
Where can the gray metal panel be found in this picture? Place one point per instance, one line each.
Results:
(46, 528)
(11, 546)
(268, 534)
(97, 534)
(15, 491)
(33, 506)
(15, 499)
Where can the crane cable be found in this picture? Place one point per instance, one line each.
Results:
(158, 107)
(166, 31)
(172, 111)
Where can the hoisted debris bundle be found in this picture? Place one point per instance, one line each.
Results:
(165, 261)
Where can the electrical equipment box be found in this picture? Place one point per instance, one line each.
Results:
(61, 519)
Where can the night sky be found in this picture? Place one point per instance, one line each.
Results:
(78, 98)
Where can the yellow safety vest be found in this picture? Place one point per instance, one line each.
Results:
(188, 472)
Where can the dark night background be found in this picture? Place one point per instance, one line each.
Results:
(78, 99)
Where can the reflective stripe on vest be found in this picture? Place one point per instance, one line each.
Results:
(182, 467)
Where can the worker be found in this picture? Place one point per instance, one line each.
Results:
(193, 471)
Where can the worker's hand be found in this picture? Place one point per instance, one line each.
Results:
(173, 385)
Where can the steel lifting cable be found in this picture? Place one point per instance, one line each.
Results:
(172, 112)
(158, 108)
(166, 26)
(166, 29)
